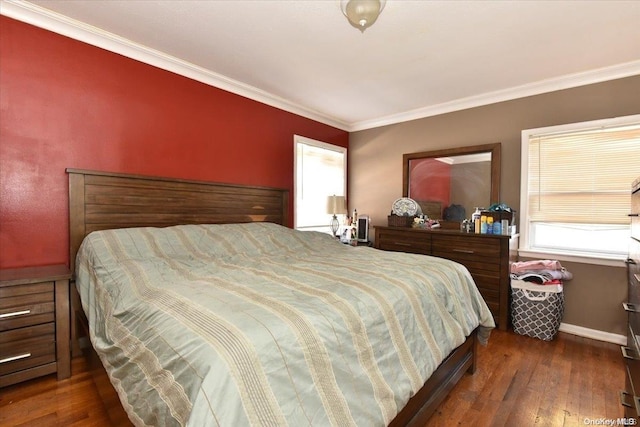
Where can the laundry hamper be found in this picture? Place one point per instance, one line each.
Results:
(536, 310)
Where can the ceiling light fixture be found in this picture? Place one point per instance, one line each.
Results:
(362, 13)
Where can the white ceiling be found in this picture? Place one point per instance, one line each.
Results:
(420, 58)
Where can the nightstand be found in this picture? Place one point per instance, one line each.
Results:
(34, 323)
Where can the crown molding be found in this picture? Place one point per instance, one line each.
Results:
(544, 86)
(60, 24)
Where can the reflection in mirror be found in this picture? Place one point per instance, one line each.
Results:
(450, 184)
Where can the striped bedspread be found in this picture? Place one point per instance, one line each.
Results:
(258, 324)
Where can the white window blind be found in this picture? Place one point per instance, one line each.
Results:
(584, 176)
(575, 195)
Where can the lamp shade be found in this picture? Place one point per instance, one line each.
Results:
(336, 205)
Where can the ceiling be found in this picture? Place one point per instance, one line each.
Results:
(419, 59)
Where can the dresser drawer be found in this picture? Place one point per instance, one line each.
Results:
(632, 363)
(26, 353)
(491, 296)
(480, 255)
(26, 305)
(635, 214)
(403, 241)
(489, 282)
(633, 269)
(486, 257)
(468, 244)
(479, 268)
(633, 289)
(627, 398)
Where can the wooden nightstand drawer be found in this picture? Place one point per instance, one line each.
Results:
(16, 291)
(27, 353)
(26, 305)
(34, 323)
(9, 337)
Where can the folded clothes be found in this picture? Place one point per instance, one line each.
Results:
(531, 277)
(540, 276)
(562, 274)
(541, 264)
(543, 277)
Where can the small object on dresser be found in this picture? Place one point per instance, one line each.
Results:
(400, 220)
(505, 226)
(483, 224)
(405, 206)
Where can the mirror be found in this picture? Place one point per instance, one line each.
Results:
(449, 184)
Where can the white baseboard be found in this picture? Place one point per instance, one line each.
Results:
(593, 334)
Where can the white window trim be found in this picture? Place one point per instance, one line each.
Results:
(524, 248)
(297, 139)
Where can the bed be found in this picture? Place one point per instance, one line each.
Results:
(204, 309)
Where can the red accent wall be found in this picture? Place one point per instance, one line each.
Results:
(64, 103)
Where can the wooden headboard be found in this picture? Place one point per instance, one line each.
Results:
(102, 200)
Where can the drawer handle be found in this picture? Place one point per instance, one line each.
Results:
(631, 308)
(464, 251)
(628, 354)
(634, 214)
(18, 357)
(630, 261)
(15, 313)
(401, 244)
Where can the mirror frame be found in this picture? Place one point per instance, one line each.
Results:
(494, 149)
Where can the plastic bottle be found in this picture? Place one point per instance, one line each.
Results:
(489, 225)
(505, 226)
(476, 215)
(483, 224)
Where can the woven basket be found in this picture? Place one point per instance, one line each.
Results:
(400, 221)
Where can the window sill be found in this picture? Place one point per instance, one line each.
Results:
(612, 261)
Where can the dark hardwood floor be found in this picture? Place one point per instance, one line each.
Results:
(520, 381)
(524, 381)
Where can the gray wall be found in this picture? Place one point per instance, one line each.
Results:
(594, 296)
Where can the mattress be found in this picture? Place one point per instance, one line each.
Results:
(259, 324)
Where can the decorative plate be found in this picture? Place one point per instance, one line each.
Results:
(405, 206)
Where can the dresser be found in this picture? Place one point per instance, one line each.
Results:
(34, 323)
(486, 256)
(630, 397)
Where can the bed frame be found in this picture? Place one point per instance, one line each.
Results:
(101, 200)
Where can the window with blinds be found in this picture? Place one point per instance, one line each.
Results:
(320, 172)
(576, 187)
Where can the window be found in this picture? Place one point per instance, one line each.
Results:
(320, 171)
(576, 182)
